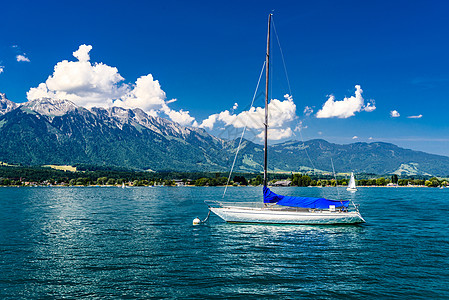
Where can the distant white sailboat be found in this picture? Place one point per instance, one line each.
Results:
(351, 186)
(278, 209)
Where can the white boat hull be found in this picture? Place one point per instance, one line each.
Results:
(270, 216)
(351, 189)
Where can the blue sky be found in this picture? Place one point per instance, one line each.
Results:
(208, 56)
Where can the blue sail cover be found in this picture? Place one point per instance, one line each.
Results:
(306, 202)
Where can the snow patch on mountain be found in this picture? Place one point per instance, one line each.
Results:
(114, 117)
(50, 107)
(118, 116)
(6, 105)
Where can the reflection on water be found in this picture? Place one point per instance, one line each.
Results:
(139, 243)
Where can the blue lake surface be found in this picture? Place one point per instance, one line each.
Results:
(139, 242)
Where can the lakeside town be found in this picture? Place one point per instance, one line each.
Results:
(45, 176)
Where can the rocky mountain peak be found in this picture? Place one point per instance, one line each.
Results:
(6, 105)
(137, 117)
(50, 107)
(59, 132)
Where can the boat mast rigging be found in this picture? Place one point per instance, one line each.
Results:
(267, 66)
(279, 209)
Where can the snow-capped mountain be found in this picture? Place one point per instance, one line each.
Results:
(47, 131)
(59, 132)
(50, 107)
(118, 116)
(113, 116)
(6, 105)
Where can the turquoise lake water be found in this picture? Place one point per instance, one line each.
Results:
(140, 243)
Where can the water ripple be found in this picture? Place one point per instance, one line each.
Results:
(139, 243)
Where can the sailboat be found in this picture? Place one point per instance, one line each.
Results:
(279, 209)
(351, 186)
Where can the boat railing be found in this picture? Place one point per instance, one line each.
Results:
(271, 206)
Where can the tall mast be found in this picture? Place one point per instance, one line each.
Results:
(267, 70)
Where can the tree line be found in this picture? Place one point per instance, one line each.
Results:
(18, 176)
(305, 180)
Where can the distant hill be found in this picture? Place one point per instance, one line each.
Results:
(376, 157)
(57, 132)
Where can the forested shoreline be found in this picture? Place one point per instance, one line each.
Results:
(106, 176)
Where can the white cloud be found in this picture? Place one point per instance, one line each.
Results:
(347, 107)
(81, 82)
(182, 117)
(22, 58)
(2, 69)
(146, 94)
(320, 132)
(370, 138)
(276, 134)
(96, 84)
(308, 111)
(394, 114)
(415, 117)
(235, 106)
(82, 54)
(280, 113)
(355, 137)
(41, 91)
(300, 127)
(370, 106)
(209, 122)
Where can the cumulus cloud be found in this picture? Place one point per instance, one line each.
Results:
(355, 137)
(99, 85)
(82, 54)
(370, 138)
(276, 134)
(347, 107)
(308, 111)
(21, 57)
(182, 117)
(370, 106)
(146, 94)
(2, 68)
(415, 117)
(235, 106)
(209, 122)
(281, 113)
(81, 82)
(394, 114)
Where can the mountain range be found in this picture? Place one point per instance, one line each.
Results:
(58, 132)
